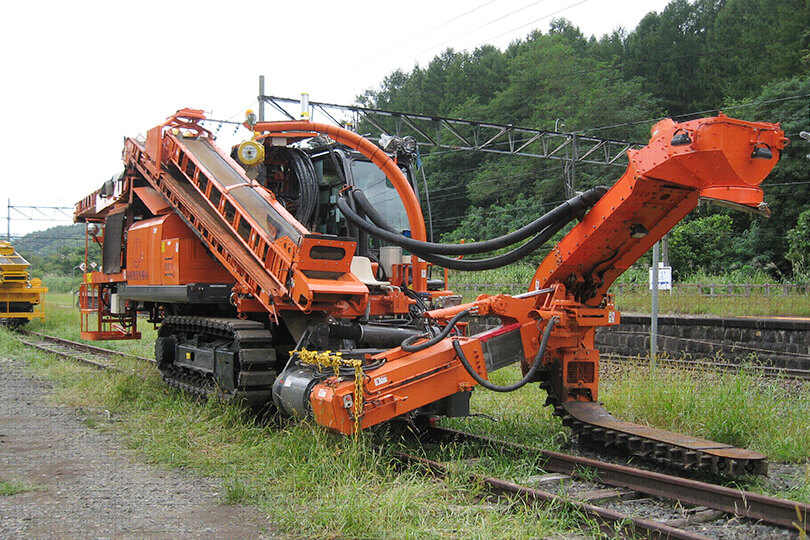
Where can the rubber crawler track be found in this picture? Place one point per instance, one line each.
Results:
(256, 359)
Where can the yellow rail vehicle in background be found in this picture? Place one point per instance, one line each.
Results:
(20, 297)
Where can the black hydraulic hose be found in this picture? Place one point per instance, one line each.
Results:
(522, 382)
(456, 264)
(351, 227)
(572, 208)
(338, 169)
(307, 185)
(420, 303)
(362, 236)
(473, 265)
(407, 343)
(359, 198)
(476, 265)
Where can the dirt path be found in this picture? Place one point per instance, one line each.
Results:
(89, 485)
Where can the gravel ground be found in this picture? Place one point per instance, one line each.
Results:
(89, 486)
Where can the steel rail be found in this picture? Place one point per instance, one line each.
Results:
(781, 512)
(69, 356)
(77, 347)
(760, 370)
(88, 348)
(789, 514)
(610, 522)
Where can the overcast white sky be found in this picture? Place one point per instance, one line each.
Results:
(79, 76)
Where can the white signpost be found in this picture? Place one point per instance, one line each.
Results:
(664, 277)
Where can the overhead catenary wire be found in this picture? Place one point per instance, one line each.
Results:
(524, 25)
(584, 131)
(426, 32)
(695, 113)
(477, 28)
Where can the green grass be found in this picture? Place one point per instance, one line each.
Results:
(62, 319)
(312, 483)
(515, 279)
(690, 302)
(307, 481)
(61, 284)
(768, 415)
(13, 487)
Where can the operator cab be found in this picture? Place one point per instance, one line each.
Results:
(307, 179)
(356, 170)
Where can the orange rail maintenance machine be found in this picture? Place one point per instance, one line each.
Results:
(294, 272)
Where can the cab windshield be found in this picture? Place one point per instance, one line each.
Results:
(381, 193)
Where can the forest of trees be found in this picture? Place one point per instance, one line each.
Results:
(750, 58)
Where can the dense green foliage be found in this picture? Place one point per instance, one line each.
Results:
(748, 57)
(55, 251)
(799, 242)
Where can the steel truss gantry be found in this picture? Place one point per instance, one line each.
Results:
(458, 134)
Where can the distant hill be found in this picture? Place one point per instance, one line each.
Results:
(51, 241)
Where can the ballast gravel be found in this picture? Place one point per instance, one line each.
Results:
(87, 485)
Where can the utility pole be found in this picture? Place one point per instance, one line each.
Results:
(8, 221)
(261, 96)
(574, 157)
(654, 309)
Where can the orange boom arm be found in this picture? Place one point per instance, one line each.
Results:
(715, 158)
(718, 158)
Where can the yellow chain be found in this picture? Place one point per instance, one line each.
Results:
(328, 359)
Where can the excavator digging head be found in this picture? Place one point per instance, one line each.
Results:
(719, 159)
(723, 158)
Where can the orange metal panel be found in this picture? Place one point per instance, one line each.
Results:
(711, 157)
(143, 252)
(400, 385)
(164, 251)
(153, 200)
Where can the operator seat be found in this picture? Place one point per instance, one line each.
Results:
(361, 268)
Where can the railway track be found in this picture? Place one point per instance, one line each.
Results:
(758, 369)
(63, 347)
(611, 495)
(73, 350)
(629, 501)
